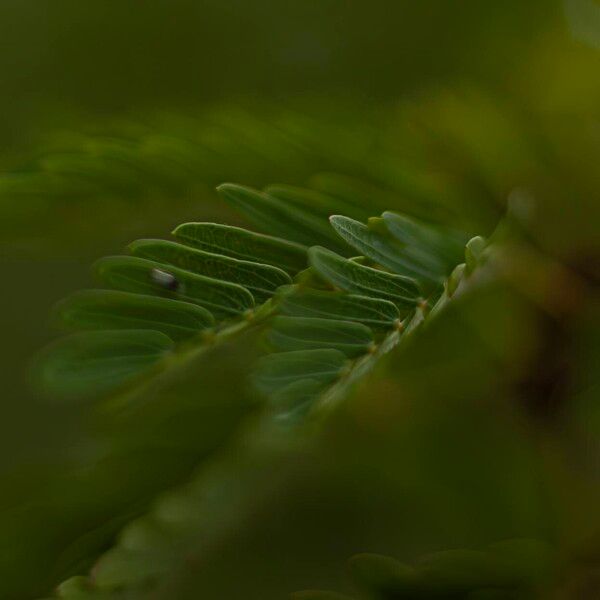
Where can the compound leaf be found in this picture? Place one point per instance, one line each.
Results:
(435, 248)
(358, 279)
(110, 309)
(96, 362)
(277, 217)
(296, 398)
(133, 274)
(261, 280)
(388, 252)
(302, 333)
(276, 371)
(306, 302)
(244, 245)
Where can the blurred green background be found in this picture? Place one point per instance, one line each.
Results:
(466, 101)
(106, 57)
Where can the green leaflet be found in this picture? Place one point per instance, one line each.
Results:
(243, 244)
(296, 398)
(109, 309)
(261, 280)
(355, 278)
(279, 218)
(373, 312)
(427, 244)
(388, 252)
(320, 204)
(133, 274)
(301, 333)
(474, 252)
(91, 363)
(276, 371)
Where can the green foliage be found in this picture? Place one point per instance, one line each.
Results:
(305, 333)
(349, 355)
(92, 363)
(277, 371)
(311, 352)
(288, 420)
(320, 204)
(132, 274)
(414, 249)
(305, 302)
(108, 309)
(323, 334)
(277, 217)
(355, 278)
(242, 244)
(156, 169)
(320, 347)
(260, 280)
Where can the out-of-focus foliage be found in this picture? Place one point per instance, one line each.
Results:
(112, 56)
(458, 455)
